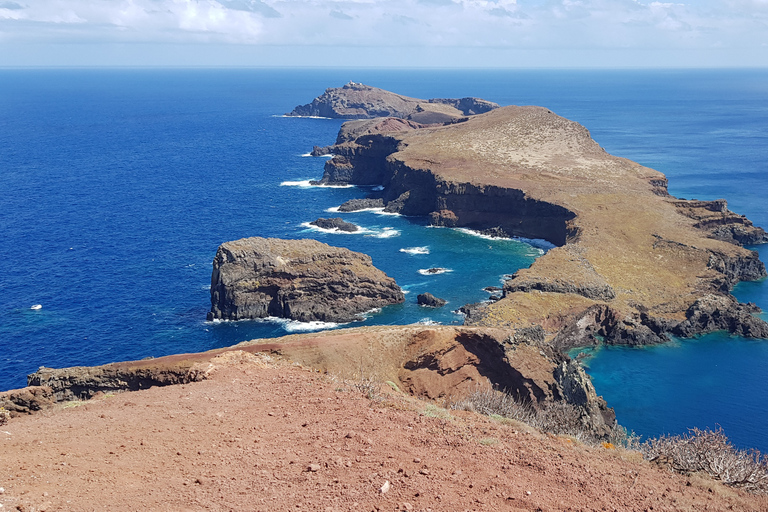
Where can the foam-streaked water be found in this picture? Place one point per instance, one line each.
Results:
(116, 187)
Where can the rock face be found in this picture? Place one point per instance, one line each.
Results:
(429, 300)
(303, 280)
(358, 101)
(335, 223)
(354, 205)
(631, 262)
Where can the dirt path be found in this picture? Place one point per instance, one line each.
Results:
(269, 437)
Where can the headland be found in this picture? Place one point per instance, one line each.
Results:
(632, 265)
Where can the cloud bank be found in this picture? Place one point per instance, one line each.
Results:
(719, 26)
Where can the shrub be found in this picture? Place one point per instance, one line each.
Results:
(4, 416)
(710, 451)
(558, 418)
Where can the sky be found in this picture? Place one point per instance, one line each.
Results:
(386, 33)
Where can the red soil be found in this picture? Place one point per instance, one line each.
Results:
(265, 436)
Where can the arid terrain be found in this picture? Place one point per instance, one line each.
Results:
(261, 434)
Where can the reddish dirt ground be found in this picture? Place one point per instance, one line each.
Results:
(265, 436)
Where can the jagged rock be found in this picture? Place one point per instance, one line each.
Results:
(27, 400)
(577, 389)
(492, 289)
(472, 311)
(335, 223)
(359, 101)
(429, 300)
(397, 205)
(722, 313)
(354, 205)
(303, 280)
(321, 151)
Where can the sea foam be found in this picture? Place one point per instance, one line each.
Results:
(434, 271)
(336, 231)
(415, 250)
(309, 184)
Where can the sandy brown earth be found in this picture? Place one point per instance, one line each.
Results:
(263, 435)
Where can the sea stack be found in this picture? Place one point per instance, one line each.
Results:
(303, 280)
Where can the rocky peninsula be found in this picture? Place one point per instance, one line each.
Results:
(303, 280)
(632, 263)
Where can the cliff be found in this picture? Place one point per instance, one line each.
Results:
(632, 263)
(303, 280)
(359, 101)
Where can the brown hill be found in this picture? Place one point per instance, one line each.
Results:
(261, 435)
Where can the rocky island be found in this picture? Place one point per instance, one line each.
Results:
(302, 280)
(359, 101)
(632, 263)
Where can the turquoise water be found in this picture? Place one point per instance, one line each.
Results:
(117, 186)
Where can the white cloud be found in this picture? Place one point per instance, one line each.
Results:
(517, 25)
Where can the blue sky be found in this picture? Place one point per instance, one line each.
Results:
(403, 33)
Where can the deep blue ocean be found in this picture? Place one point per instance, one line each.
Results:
(117, 186)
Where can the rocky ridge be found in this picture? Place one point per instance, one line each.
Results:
(303, 280)
(436, 363)
(631, 257)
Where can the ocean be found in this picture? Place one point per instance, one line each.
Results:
(118, 185)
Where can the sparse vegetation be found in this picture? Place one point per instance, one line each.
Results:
(4, 416)
(559, 418)
(699, 451)
(711, 452)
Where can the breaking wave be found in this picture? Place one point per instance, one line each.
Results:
(415, 250)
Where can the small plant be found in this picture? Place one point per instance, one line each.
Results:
(433, 411)
(393, 386)
(4, 416)
(369, 388)
(488, 441)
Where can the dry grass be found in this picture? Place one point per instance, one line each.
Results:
(559, 418)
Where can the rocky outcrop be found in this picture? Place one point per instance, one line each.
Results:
(83, 382)
(336, 223)
(601, 291)
(722, 313)
(429, 300)
(715, 218)
(359, 101)
(303, 280)
(354, 205)
(27, 400)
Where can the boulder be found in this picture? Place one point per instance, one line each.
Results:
(303, 280)
(335, 223)
(429, 300)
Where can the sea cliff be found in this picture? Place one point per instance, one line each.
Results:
(632, 265)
